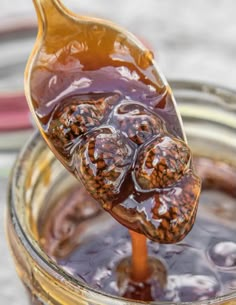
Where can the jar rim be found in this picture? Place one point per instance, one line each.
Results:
(49, 265)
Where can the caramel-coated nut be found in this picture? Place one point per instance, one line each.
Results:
(136, 122)
(161, 162)
(166, 216)
(102, 162)
(76, 116)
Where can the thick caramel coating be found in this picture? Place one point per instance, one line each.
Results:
(102, 162)
(76, 116)
(161, 162)
(99, 99)
(136, 122)
(148, 186)
(164, 216)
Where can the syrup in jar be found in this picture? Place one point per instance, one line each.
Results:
(89, 245)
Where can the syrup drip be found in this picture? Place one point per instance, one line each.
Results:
(139, 264)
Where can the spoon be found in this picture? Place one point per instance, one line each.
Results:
(102, 104)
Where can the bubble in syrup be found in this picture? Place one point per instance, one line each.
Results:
(223, 255)
(190, 288)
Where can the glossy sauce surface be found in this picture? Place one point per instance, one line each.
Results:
(109, 116)
(89, 245)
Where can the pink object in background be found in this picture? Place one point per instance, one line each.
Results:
(14, 112)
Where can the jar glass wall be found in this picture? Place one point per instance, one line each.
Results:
(209, 115)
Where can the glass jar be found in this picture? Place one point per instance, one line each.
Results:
(209, 115)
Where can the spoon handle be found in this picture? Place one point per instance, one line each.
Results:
(47, 4)
(50, 13)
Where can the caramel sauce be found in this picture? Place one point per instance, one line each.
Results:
(140, 268)
(93, 248)
(109, 116)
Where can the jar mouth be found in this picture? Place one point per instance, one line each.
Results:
(222, 97)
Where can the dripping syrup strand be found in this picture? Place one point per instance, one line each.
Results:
(139, 259)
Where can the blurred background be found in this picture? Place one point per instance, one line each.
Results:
(191, 40)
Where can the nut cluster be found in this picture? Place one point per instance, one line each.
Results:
(102, 162)
(76, 116)
(166, 216)
(129, 163)
(161, 162)
(136, 122)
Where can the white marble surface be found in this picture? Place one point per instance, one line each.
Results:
(191, 40)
